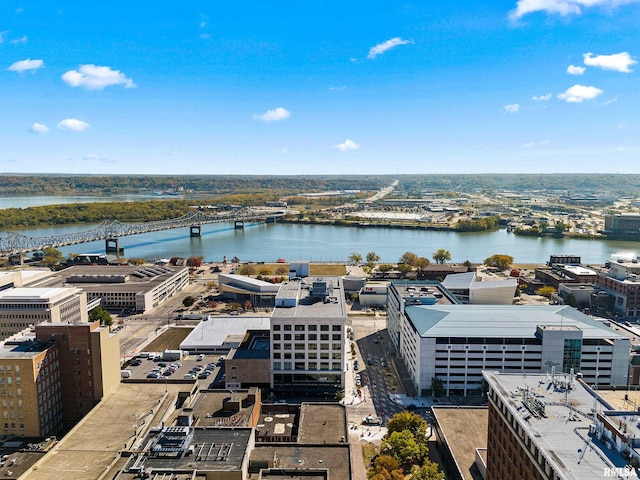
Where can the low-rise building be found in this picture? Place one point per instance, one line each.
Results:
(622, 281)
(469, 289)
(136, 289)
(242, 288)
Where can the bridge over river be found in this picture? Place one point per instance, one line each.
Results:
(13, 243)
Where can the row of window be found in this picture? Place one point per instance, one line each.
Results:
(307, 366)
(305, 346)
(307, 355)
(311, 337)
(302, 327)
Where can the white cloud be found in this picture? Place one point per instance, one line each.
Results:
(283, 150)
(204, 36)
(38, 128)
(380, 48)
(512, 108)
(73, 124)
(579, 93)
(561, 7)
(541, 98)
(536, 144)
(620, 62)
(95, 77)
(96, 158)
(273, 115)
(333, 89)
(575, 70)
(203, 24)
(26, 65)
(3, 35)
(347, 145)
(22, 40)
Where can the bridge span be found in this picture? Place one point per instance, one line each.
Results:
(13, 243)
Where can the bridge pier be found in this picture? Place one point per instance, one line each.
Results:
(239, 224)
(195, 231)
(111, 245)
(271, 219)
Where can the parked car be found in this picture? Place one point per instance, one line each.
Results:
(153, 375)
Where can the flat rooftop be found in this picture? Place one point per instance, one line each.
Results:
(425, 291)
(562, 432)
(221, 333)
(35, 295)
(322, 423)
(464, 430)
(138, 278)
(306, 299)
(22, 347)
(333, 458)
(209, 408)
(502, 321)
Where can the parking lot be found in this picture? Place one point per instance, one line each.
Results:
(207, 369)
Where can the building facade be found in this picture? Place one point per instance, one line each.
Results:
(21, 308)
(308, 337)
(622, 282)
(455, 343)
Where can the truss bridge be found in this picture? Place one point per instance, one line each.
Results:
(13, 243)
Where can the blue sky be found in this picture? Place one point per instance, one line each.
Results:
(319, 87)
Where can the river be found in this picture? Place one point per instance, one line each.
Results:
(262, 242)
(268, 242)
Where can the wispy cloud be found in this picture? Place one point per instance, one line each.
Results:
(579, 93)
(26, 65)
(610, 101)
(3, 35)
(346, 146)
(561, 7)
(95, 77)
(38, 128)
(20, 41)
(96, 158)
(334, 89)
(283, 150)
(512, 107)
(274, 115)
(381, 48)
(73, 125)
(541, 98)
(575, 70)
(620, 62)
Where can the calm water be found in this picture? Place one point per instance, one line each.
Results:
(261, 242)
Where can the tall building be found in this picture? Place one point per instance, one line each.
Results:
(21, 308)
(30, 388)
(89, 363)
(622, 282)
(554, 427)
(308, 336)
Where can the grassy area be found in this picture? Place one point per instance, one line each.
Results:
(327, 270)
(169, 340)
(369, 450)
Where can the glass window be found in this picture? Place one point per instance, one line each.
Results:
(324, 346)
(276, 365)
(324, 328)
(276, 336)
(299, 337)
(300, 346)
(299, 328)
(287, 328)
(336, 328)
(324, 336)
(336, 337)
(313, 328)
(313, 336)
(313, 366)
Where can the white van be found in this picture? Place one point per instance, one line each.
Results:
(125, 373)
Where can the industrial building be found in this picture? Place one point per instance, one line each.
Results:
(308, 337)
(455, 343)
(136, 289)
(554, 427)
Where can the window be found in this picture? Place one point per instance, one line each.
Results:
(299, 337)
(336, 328)
(324, 346)
(287, 336)
(313, 328)
(324, 336)
(287, 328)
(276, 336)
(276, 365)
(299, 328)
(324, 328)
(300, 346)
(287, 365)
(336, 337)
(313, 336)
(276, 328)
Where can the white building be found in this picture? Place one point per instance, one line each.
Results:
(241, 288)
(23, 307)
(373, 294)
(468, 289)
(455, 343)
(308, 336)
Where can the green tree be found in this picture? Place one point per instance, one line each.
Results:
(372, 258)
(441, 256)
(52, 256)
(428, 471)
(404, 268)
(355, 257)
(385, 267)
(437, 387)
(410, 421)
(409, 258)
(404, 447)
(546, 291)
(281, 270)
(265, 271)
(501, 262)
(188, 301)
(247, 270)
(101, 314)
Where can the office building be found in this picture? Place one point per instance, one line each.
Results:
(22, 307)
(308, 337)
(554, 427)
(622, 282)
(134, 289)
(467, 288)
(455, 343)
